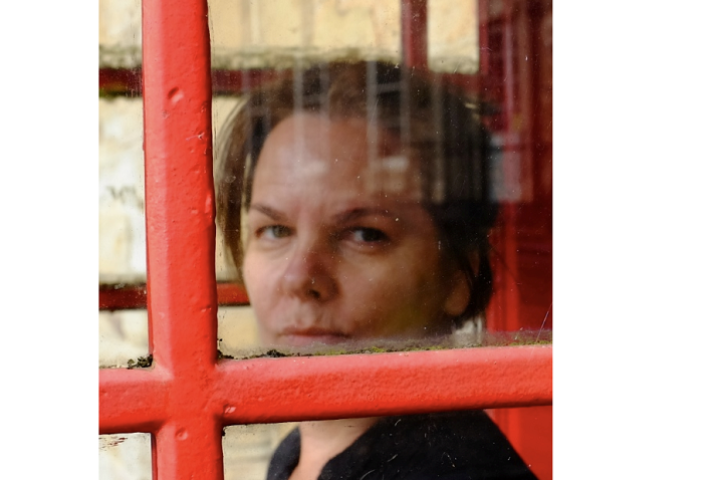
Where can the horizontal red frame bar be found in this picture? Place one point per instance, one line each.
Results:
(305, 388)
(128, 81)
(114, 297)
(132, 400)
(323, 387)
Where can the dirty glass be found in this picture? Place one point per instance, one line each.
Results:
(359, 199)
(489, 65)
(125, 456)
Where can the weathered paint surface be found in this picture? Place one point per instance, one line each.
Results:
(301, 388)
(182, 298)
(190, 403)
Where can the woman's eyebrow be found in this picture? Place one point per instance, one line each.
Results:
(268, 211)
(356, 213)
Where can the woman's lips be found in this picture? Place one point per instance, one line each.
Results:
(308, 337)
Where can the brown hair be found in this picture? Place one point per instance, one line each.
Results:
(431, 118)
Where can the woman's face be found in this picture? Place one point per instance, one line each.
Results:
(339, 247)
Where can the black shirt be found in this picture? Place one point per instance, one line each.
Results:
(455, 445)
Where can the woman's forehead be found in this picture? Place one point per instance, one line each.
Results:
(344, 152)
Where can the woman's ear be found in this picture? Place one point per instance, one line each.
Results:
(458, 295)
(459, 292)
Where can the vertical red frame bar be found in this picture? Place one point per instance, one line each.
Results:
(180, 216)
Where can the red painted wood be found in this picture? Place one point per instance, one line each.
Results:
(302, 388)
(279, 390)
(128, 81)
(132, 400)
(115, 297)
(122, 297)
(232, 294)
(180, 213)
(235, 82)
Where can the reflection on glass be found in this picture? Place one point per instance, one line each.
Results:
(364, 191)
(367, 206)
(355, 203)
(125, 456)
(123, 338)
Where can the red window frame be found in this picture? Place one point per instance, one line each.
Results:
(186, 398)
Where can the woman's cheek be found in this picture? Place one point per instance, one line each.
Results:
(259, 288)
(381, 306)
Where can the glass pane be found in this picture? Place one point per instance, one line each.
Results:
(120, 33)
(238, 338)
(222, 107)
(238, 332)
(123, 338)
(434, 444)
(122, 191)
(277, 32)
(247, 449)
(125, 456)
(366, 203)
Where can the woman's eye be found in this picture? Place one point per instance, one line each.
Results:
(368, 235)
(273, 232)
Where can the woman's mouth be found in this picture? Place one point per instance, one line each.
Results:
(311, 337)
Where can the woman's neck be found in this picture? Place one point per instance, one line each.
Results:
(321, 441)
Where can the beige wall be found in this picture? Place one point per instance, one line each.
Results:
(251, 33)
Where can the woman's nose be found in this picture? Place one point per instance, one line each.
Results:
(308, 274)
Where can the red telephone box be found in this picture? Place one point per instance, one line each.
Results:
(188, 395)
